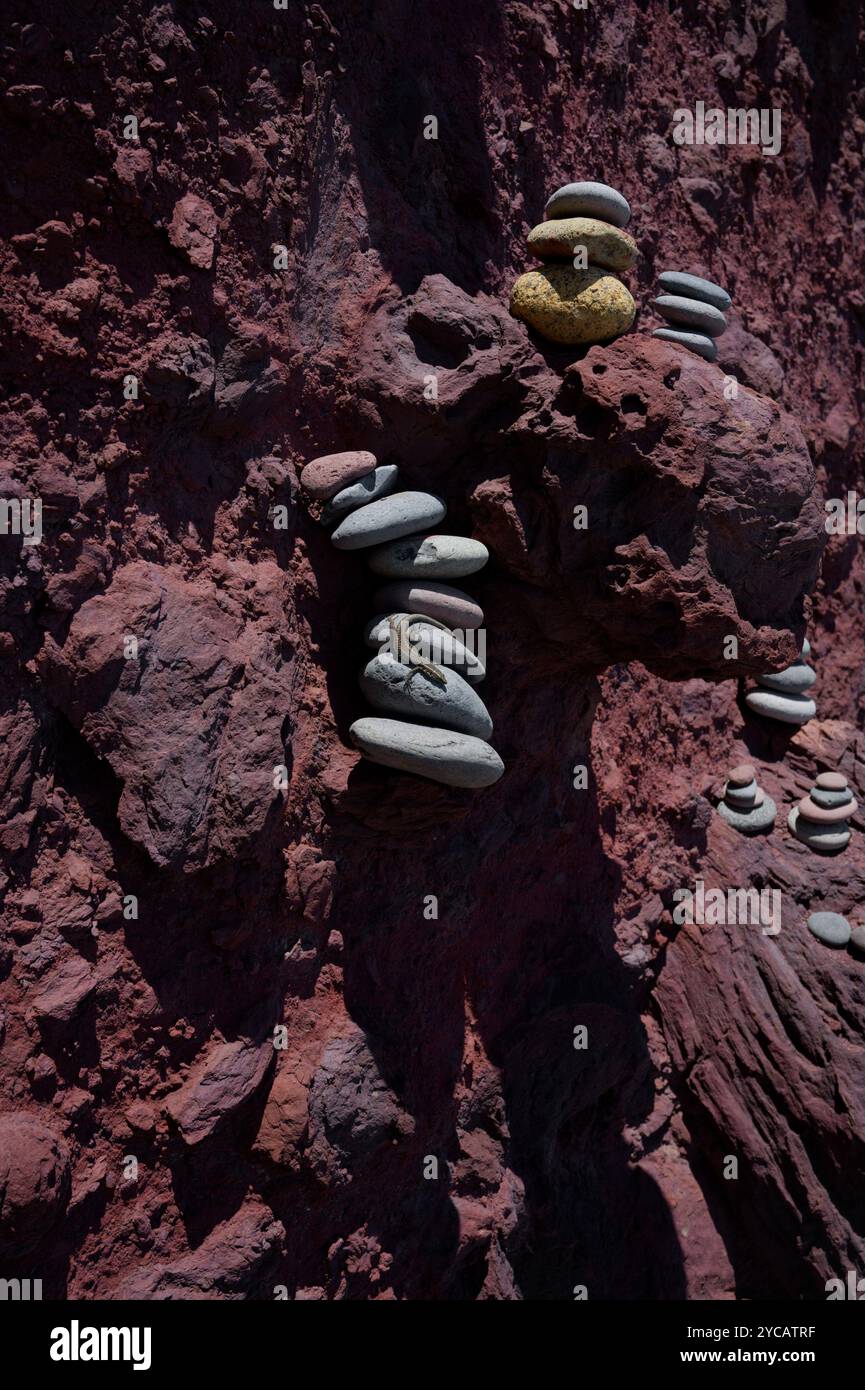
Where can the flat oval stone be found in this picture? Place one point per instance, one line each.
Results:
(573, 306)
(697, 342)
(589, 200)
(433, 644)
(752, 822)
(788, 709)
(387, 520)
(827, 815)
(430, 557)
(827, 798)
(372, 485)
(691, 313)
(741, 775)
(694, 287)
(604, 245)
(454, 703)
(744, 798)
(830, 927)
(450, 606)
(831, 781)
(795, 679)
(324, 477)
(857, 939)
(825, 839)
(442, 755)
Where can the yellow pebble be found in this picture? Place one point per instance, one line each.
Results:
(573, 306)
(604, 244)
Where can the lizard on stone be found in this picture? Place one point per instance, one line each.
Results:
(400, 642)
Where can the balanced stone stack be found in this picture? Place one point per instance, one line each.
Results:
(423, 673)
(781, 695)
(821, 820)
(745, 805)
(695, 307)
(574, 299)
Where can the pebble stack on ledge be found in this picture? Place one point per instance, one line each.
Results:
(782, 695)
(821, 819)
(695, 309)
(432, 722)
(745, 805)
(574, 299)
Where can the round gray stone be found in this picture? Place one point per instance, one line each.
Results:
(857, 939)
(388, 519)
(435, 557)
(691, 313)
(375, 484)
(750, 822)
(825, 839)
(693, 287)
(787, 709)
(830, 799)
(830, 928)
(454, 704)
(741, 798)
(696, 342)
(793, 680)
(442, 755)
(434, 644)
(589, 200)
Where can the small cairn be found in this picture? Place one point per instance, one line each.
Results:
(782, 695)
(423, 675)
(574, 298)
(695, 307)
(821, 819)
(745, 805)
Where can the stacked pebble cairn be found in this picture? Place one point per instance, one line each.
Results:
(820, 820)
(782, 695)
(695, 307)
(745, 805)
(422, 671)
(574, 299)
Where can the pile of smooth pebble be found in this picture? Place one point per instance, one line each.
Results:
(566, 302)
(781, 695)
(695, 307)
(430, 676)
(821, 819)
(745, 805)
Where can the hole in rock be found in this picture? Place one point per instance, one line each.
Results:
(633, 405)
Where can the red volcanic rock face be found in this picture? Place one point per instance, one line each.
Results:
(331, 1010)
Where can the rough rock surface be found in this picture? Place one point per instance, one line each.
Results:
(281, 266)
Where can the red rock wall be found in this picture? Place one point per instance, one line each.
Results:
(148, 774)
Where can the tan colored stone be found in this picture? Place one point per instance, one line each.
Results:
(605, 245)
(573, 306)
(831, 781)
(741, 776)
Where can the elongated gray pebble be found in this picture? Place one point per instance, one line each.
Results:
(429, 557)
(793, 680)
(387, 520)
(441, 601)
(453, 704)
(697, 342)
(691, 313)
(375, 484)
(694, 287)
(788, 709)
(589, 200)
(433, 643)
(442, 755)
(830, 928)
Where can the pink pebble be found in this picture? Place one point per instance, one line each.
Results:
(326, 476)
(450, 606)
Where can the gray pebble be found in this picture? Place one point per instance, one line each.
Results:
(589, 200)
(433, 643)
(830, 927)
(693, 287)
(433, 557)
(375, 484)
(825, 839)
(388, 519)
(457, 760)
(692, 313)
(794, 680)
(857, 939)
(454, 704)
(750, 822)
(823, 797)
(741, 798)
(697, 342)
(788, 709)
